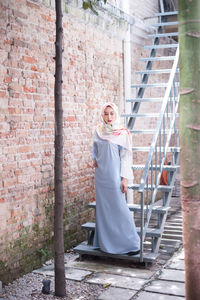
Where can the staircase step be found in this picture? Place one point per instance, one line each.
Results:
(151, 232)
(151, 131)
(146, 100)
(168, 13)
(160, 71)
(159, 58)
(146, 149)
(146, 85)
(176, 228)
(165, 24)
(83, 248)
(169, 34)
(147, 115)
(161, 188)
(162, 46)
(158, 209)
(172, 236)
(175, 243)
(173, 224)
(170, 168)
(173, 231)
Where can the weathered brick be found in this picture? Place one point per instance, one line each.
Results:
(24, 149)
(30, 60)
(92, 74)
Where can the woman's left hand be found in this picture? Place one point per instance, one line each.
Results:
(124, 185)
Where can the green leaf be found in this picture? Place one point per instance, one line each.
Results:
(105, 285)
(85, 5)
(94, 11)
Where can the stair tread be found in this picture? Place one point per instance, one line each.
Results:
(163, 188)
(146, 100)
(137, 207)
(156, 232)
(148, 115)
(163, 34)
(168, 13)
(83, 248)
(157, 58)
(161, 46)
(165, 167)
(155, 71)
(146, 149)
(175, 232)
(163, 84)
(171, 227)
(150, 131)
(165, 24)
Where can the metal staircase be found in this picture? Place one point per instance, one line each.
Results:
(162, 143)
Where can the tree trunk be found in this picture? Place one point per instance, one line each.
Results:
(189, 39)
(60, 284)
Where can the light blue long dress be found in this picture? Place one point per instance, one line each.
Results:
(115, 228)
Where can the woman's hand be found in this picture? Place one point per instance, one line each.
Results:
(124, 185)
(95, 165)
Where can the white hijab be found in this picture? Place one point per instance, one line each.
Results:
(114, 133)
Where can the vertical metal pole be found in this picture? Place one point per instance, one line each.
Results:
(161, 6)
(142, 226)
(152, 179)
(164, 135)
(156, 162)
(127, 77)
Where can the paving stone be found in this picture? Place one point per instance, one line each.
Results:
(46, 270)
(117, 281)
(177, 264)
(181, 255)
(70, 273)
(167, 287)
(156, 296)
(117, 294)
(111, 269)
(173, 275)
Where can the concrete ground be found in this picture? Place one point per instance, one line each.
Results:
(164, 280)
(124, 282)
(101, 278)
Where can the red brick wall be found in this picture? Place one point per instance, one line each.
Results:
(92, 74)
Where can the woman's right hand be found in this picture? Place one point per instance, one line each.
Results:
(95, 165)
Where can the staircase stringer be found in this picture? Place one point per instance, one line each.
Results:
(144, 80)
(157, 139)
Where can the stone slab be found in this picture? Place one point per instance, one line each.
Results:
(117, 281)
(167, 287)
(181, 255)
(117, 294)
(155, 296)
(112, 269)
(177, 264)
(173, 275)
(70, 273)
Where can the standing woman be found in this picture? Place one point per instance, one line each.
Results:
(115, 228)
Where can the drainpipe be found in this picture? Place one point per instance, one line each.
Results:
(127, 74)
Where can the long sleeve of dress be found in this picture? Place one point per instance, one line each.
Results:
(94, 148)
(126, 163)
(94, 151)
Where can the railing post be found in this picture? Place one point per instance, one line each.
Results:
(142, 227)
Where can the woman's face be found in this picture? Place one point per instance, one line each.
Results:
(109, 115)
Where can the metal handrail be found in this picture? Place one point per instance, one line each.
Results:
(159, 122)
(164, 113)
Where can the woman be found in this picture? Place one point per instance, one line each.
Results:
(115, 229)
